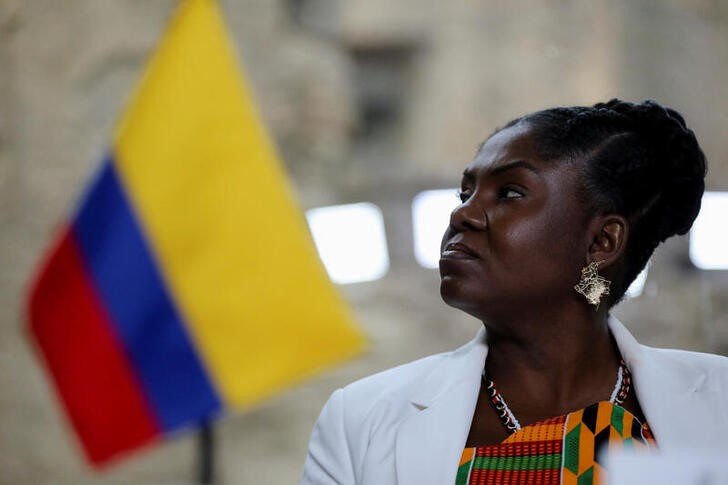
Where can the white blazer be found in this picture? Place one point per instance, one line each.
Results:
(408, 425)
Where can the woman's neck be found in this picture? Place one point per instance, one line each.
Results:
(558, 359)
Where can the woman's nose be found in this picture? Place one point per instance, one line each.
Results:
(469, 216)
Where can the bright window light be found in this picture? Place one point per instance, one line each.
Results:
(709, 235)
(350, 240)
(430, 217)
(635, 289)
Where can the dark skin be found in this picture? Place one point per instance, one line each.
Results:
(513, 251)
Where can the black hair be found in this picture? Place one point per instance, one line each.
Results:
(639, 160)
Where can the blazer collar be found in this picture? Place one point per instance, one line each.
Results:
(672, 390)
(430, 442)
(463, 364)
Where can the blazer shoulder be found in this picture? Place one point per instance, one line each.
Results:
(689, 357)
(403, 380)
(715, 367)
(357, 429)
(395, 384)
(358, 416)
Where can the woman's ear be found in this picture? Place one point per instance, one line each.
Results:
(609, 234)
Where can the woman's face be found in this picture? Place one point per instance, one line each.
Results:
(519, 235)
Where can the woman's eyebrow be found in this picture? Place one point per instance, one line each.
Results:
(513, 165)
(469, 174)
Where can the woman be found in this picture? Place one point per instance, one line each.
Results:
(561, 209)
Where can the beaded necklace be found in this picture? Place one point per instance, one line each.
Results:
(619, 394)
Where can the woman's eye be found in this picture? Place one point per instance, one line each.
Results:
(509, 193)
(463, 195)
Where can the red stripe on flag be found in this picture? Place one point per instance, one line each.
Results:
(92, 374)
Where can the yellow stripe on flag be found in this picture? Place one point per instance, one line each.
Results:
(221, 219)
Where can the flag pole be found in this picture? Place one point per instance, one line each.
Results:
(206, 453)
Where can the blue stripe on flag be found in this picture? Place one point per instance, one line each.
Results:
(142, 311)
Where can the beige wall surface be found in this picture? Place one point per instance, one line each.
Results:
(368, 100)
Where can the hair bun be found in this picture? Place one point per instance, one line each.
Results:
(679, 166)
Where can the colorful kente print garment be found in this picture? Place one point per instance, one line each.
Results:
(561, 450)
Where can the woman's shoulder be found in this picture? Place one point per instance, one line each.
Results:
(689, 357)
(391, 395)
(360, 415)
(679, 365)
(714, 366)
(393, 384)
(403, 380)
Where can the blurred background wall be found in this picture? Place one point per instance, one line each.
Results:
(368, 100)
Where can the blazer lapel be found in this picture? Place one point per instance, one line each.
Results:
(429, 443)
(673, 403)
(673, 394)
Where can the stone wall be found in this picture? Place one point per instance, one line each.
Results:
(368, 100)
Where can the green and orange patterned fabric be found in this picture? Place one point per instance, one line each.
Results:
(561, 450)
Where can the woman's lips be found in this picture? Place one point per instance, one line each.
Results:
(459, 251)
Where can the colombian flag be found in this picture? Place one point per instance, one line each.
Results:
(186, 282)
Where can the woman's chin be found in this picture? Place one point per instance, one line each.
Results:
(449, 288)
(456, 295)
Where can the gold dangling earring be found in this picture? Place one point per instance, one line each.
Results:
(591, 285)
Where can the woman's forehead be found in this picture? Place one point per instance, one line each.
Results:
(515, 143)
(515, 150)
